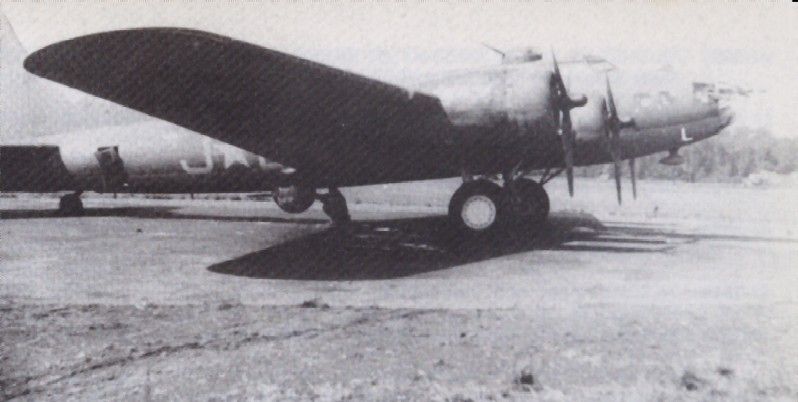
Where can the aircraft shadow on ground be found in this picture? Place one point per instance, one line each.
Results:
(385, 249)
(133, 212)
(397, 248)
(150, 212)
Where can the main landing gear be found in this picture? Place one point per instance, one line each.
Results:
(334, 205)
(71, 205)
(296, 199)
(481, 206)
(477, 207)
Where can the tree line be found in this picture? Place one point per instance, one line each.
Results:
(729, 157)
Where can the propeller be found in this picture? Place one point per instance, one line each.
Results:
(614, 125)
(564, 104)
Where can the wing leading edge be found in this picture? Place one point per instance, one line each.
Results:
(336, 127)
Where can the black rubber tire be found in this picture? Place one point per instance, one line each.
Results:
(470, 189)
(70, 205)
(527, 201)
(305, 196)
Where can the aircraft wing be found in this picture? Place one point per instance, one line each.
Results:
(347, 128)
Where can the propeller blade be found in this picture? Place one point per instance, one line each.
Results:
(613, 127)
(614, 122)
(568, 149)
(565, 102)
(611, 101)
(633, 175)
(564, 105)
(569, 174)
(557, 74)
(617, 168)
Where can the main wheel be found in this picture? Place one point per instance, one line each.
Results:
(294, 199)
(70, 205)
(476, 207)
(527, 201)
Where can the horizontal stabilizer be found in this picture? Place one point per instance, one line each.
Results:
(33, 168)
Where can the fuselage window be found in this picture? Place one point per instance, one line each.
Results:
(642, 100)
(665, 98)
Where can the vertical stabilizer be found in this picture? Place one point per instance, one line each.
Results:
(31, 107)
(19, 117)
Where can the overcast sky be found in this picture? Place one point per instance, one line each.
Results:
(754, 45)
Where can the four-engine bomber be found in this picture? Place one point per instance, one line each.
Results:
(327, 128)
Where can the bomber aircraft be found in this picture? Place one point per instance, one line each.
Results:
(329, 128)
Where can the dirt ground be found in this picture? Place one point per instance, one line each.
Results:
(687, 293)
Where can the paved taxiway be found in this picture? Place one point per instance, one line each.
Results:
(686, 296)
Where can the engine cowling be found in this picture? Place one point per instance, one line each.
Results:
(588, 121)
(294, 199)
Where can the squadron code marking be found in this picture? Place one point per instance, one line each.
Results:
(685, 138)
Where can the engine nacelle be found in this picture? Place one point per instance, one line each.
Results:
(294, 199)
(589, 121)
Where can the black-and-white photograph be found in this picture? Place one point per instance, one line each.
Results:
(398, 201)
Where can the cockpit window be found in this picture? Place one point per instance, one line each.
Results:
(704, 92)
(665, 98)
(659, 100)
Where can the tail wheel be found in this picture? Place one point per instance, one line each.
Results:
(476, 207)
(70, 205)
(527, 201)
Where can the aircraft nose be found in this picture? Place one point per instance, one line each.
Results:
(726, 116)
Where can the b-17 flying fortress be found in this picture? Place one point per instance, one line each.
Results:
(322, 128)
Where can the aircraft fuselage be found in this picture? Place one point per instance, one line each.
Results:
(153, 157)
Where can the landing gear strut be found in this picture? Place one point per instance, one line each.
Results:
(334, 205)
(481, 206)
(71, 205)
(296, 199)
